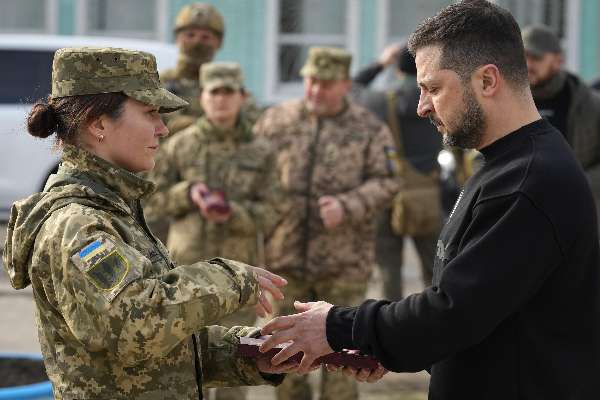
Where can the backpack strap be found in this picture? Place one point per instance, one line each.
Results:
(392, 121)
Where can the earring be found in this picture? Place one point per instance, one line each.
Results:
(100, 138)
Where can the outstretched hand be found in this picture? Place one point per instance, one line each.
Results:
(361, 375)
(306, 331)
(268, 282)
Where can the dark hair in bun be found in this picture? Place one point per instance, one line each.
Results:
(42, 120)
(65, 116)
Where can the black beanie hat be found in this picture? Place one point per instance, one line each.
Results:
(406, 62)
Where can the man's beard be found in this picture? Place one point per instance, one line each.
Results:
(469, 129)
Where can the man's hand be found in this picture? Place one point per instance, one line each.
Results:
(362, 375)
(331, 211)
(268, 282)
(306, 330)
(390, 54)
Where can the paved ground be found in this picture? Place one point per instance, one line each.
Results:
(18, 334)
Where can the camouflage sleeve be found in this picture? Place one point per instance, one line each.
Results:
(252, 111)
(221, 367)
(264, 211)
(379, 185)
(177, 121)
(171, 197)
(111, 300)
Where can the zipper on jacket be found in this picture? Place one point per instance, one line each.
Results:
(138, 217)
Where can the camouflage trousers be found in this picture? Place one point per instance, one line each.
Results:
(389, 252)
(339, 292)
(243, 317)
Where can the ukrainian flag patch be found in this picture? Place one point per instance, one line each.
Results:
(105, 265)
(91, 250)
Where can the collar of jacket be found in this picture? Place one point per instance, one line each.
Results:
(339, 115)
(77, 161)
(241, 132)
(551, 87)
(187, 69)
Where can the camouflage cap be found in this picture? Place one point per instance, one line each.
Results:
(327, 63)
(92, 70)
(221, 74)
(200, 15)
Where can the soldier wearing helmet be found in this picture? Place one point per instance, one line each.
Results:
(199, 31)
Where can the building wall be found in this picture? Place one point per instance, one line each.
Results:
(252, 31)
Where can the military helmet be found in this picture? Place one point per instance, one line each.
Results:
(200, 15)
(80, 71)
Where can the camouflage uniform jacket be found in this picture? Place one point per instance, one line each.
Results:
(343, 156)
(189, 90)
(233, 161)
(116, 318)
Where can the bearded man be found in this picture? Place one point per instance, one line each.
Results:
(514, 307)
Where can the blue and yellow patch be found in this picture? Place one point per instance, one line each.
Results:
(103, 264)
(91, 250)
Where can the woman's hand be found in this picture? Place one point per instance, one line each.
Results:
(268, 282)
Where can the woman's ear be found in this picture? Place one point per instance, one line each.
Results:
(96, 128)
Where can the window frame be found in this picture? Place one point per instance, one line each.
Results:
(50, 21)
(160, 31)
(275, 90)
(570, 40)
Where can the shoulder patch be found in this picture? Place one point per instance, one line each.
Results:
(109, 271)
(392, 160)
(105, 266)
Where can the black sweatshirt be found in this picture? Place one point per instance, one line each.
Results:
(514, 309)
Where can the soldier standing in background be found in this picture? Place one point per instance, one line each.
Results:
(420, 144)
(218, 156)
(564, 100)
(331, 160)
(199, 33)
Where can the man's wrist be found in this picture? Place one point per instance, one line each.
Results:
(338, 327)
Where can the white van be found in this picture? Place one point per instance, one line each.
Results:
(25, 161)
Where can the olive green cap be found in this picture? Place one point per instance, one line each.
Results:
(92, 70)
(221, 74)
(200, 15)
(328, 63)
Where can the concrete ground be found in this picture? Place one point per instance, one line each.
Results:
(18, 334)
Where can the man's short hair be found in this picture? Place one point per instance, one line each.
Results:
(472, 33)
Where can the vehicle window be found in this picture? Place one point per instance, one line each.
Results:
(24, 75)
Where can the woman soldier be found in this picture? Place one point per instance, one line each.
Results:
(116, 318)
(217, 184)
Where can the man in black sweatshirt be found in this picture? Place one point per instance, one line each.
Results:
(514, 309)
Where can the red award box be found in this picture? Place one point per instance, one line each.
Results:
(249, 348)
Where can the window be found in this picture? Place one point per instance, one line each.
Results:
(24, 75)
(547, 12)
(403, 16)
(399, 18)
(31, 16)
(124, 18)
(300, 25)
